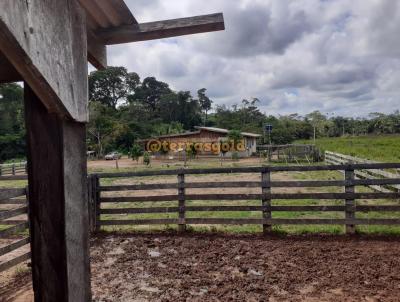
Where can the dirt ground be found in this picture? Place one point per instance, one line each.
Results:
(216, 267)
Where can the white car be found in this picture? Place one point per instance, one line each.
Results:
(112, 156)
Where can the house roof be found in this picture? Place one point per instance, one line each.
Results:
(210, 129)
(225, 131)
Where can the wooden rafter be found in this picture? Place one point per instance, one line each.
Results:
(8, 73)
(161, 29)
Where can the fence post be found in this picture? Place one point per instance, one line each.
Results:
(1, 170)
(13, 169)
(96, 194)
(181, 199)
(350, 203)
(92, 202)
(266, 202)
(26, 168)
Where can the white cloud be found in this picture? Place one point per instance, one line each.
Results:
(339, 56)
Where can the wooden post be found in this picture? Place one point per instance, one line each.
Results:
(58, 210)
(13, 169)
(96, 185)
(266, 203)
(181, 199)
(350, 203)
(92, 202)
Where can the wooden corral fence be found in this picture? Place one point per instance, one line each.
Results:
(265, 197)
(291, 153)
(13, 169)
(14, 199)
(340, 159)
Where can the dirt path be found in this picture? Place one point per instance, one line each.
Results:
(245, 268)
(167, 267)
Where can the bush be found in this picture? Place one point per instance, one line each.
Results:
(136, 152)
(235, 156)
(146, 158)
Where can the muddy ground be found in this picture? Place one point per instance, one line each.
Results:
(216, 267)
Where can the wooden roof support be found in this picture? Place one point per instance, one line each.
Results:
(161, 29)
(46, 43)
(97, 51)
(7, 71)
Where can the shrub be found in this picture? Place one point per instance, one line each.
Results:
(136, 152)
(146, 158)
(235, 156)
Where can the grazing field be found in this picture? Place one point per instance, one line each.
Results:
(385, 148)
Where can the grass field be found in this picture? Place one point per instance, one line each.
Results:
(385, 148)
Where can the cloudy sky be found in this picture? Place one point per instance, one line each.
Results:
(336, 56)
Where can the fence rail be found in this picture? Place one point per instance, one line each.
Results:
(13, 169)
(366, 173)
(8, 197)
(265, 196)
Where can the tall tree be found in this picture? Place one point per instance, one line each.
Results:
(150, 93)
(112, 85)
(205, 103)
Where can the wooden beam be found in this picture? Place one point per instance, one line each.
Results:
(97, 51)
(46, 43)
(58, 212)
(161, 29)
(8, 73)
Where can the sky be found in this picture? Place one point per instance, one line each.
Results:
(338, 56)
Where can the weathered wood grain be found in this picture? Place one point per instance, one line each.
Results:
(57, 204)
(32, 30)
(12, 213)
(13, 246)
(13, 262)
(161, 29)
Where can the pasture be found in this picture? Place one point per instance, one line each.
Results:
(384, 148)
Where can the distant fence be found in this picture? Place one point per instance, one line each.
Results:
(340, 159)
(13, 197)
(265, 197)
(13, 169)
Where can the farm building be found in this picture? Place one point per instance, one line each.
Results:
(205, 140)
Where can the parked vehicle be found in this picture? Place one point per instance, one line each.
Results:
(112, 156)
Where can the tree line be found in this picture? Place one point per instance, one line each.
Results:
(124, 108)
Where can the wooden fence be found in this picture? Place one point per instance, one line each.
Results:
(265, 197)
(340, 159)
(13, 169)
(19, 207)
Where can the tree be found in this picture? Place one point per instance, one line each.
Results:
(205, 102)
(235, 136)
(150, 93)
(101, 125)
(136, 152)
(12, 123)
(112, 85)
(318, 121)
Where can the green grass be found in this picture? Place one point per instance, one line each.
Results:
(385, 148)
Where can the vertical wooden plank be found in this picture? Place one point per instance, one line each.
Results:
(96, 185)
(13, 169)
(57, 204)
(350, 203)
(266, 203)
(181, 197)
(90, 198)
